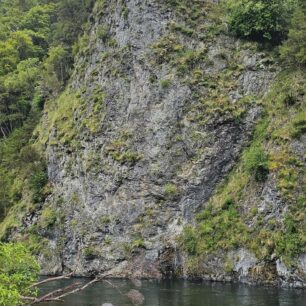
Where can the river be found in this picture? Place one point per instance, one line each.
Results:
(180, 293)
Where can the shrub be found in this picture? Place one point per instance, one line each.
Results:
(48, 217)
(189, 240)
(294, 49)
(103, 33)
(256, 163)
(165, 83)
(89, 252)
(261, 20)
(37, 182)
(219, 229)
(138, 243)
(170, 189)
(299, 128)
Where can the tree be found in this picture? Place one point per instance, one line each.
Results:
(261, 20)
(72, 14)
(23, 43)
(8, 57)
(40, 32)
(56, 70)
(18, 271)
(294, 48)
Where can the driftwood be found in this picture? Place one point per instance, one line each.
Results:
(30, 298)
(59, 294)
(53, 279)
(52, 295)
(78, 289)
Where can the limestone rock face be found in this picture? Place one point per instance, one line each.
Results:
(151, 146)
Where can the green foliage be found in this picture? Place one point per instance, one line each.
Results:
(233, 209)
(217, 229)
(170, 189)
(48, 217)
(138, 243)
(261, 20)
(256, 163)
(189, 240)
(21, 167)
(105, 220)
(35, 53)
(299, 126)
(90, 252)
(18, 271)
(194, 15)
(169, 50)
(56, 70)
(165, 83)
(61, 117)
(37, 182)
(294, 48)
(103, 32)
(120, 150)
(126, 157)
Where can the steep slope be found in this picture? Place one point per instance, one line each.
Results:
(161, 105)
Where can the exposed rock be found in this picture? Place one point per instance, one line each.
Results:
(243, 262)
(125, 187)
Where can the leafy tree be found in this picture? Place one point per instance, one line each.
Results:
(8, 57)
(294, 48)
(19, 164)
(72, 14)
(36, 39)
(18, 271)
(261, 20)
(35, 34)
(56, 69)
(22, 42)
(16, 93)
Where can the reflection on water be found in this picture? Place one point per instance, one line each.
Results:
(180, 293)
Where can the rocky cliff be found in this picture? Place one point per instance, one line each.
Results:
(152, 133)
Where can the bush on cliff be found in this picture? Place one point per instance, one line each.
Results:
(261, 20)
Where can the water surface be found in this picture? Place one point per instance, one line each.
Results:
(180, 293)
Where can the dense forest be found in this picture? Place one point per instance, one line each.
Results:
(40, 40)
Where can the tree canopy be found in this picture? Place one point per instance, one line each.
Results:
(294, 49)
(18, 271)
(261, 20)
(36, 43)
(35, 47)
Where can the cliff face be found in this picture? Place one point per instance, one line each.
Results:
(161, 105)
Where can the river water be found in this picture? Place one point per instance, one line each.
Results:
(179, 293)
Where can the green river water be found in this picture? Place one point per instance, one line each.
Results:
(180, 293)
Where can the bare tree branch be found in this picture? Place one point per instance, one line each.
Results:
(78, 289)
(30, 298)
(114, 286)
(53, 293)
(52, 279)
(58, 294)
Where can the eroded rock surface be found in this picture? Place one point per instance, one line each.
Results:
(154, 150)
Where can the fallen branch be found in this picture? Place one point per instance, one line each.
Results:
(59, 294)
(51, 294)
(53, 279)
(114, 286)
(30, 298)
(78, 289)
